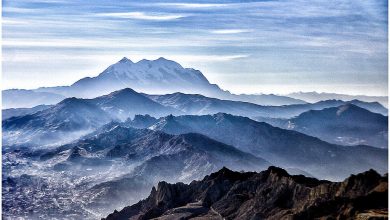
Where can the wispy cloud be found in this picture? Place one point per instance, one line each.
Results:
(144, 16)
(194, 5)
(7, 21)
(230, 31)
(45, 1)
(19, 10)
(208, 58)
(339, 41)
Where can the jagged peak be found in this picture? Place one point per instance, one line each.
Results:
(169, 117)
(77, 152)
(125, 60)
(277, 170)
(219, 191)
(369, 174)
(301, 179)
(227, 174)
(143, 116)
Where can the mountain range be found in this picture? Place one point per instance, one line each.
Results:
(270, 194)
(316, 97)
(195, 104)
(157, 155)
(177, 149)
(117, 163)
(347, 125)
(281, 147)
(98, 145)
(74, 117)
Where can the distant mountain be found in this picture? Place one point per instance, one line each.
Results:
(143, 145)
(375, 107)
(159, 76)
(294, 110)
(271, 194)
(281, 147)
(261, 99)
(126, 103)
(73, 117)
(347, 124)
(151, 76)
(194, 104)
(22, 98)
(63, 122)
(13, 112)
(316, 97)
(157, 155)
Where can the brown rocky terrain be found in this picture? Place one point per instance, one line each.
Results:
(270, 194)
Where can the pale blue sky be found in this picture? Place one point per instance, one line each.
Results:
(243, 46)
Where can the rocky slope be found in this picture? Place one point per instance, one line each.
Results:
(271, 194)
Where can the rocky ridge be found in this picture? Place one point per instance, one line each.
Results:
(270, 194)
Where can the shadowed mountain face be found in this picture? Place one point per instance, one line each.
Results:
(347, 125)
(73, 117)
(149, 76)
(271, 194)
(281, 147)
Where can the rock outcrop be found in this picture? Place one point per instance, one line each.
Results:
(271, 194)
